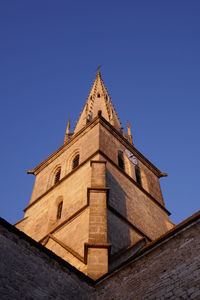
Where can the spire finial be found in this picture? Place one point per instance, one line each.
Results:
(67, 132)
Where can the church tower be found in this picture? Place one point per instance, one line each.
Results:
(96, 200)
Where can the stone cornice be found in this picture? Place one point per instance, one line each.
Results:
(18, 222)
(61, 180)
(129, 146)
(65, 146)
(83, 131)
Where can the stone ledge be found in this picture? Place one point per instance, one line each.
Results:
(114, 164)
(98, 162)
(61, 180)
(67, 248)
(98, 190)
(96, 245)
(73, 216)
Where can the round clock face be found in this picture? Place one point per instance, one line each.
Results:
(131, 157)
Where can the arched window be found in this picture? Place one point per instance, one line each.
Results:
(57, 176)
(75, 162)
(89, 118)
(138, 175)
(59, 210)
(98, 95)
(121, 160)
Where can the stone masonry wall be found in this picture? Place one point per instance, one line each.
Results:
(127, 199)
(170, 269)
(42, 215)
(111, 145)
(27, 272)
(73, 235)
(89, 138)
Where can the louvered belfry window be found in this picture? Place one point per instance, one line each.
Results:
(121, 160)
(59, 210)
(138, 175)
(57, 176)
(75, 162)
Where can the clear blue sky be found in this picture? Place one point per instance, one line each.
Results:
(150, 56)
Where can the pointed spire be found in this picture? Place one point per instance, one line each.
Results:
(98, 99)
(67, 134)
(98, 75)
(129, 132)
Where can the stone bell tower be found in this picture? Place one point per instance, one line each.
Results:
(96, 200)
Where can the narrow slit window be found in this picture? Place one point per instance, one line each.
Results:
(121, 160)
(59, 210)
(138, 175)
(57, 176)
(98, 95)
(75, 162)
